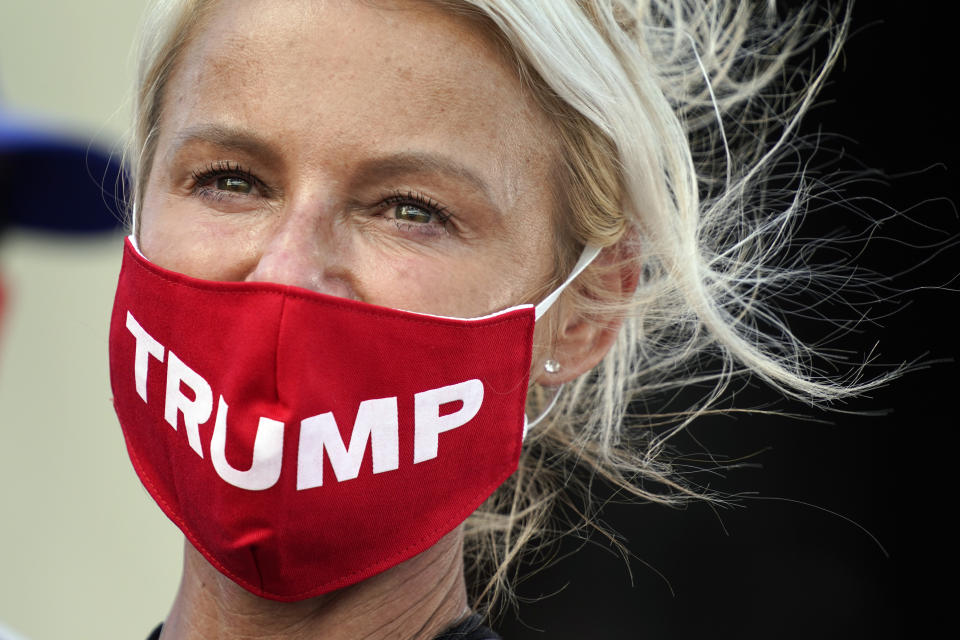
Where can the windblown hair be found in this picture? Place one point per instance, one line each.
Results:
(672, 114)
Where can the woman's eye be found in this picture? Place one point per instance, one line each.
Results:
(225, 180)
(413, 213)
(416, 213)
(234, 184)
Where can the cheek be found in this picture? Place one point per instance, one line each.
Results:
(456, 286)
(174, 236)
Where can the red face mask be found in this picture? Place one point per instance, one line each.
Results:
(304, 442)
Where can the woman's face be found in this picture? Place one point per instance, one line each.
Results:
(384, 152)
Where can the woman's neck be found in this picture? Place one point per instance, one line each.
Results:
(416, 600)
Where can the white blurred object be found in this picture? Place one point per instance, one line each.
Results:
(6, 633)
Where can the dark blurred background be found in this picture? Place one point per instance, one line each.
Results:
(845, 521)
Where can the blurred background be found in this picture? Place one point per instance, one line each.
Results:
(83, 551)
(835, 526)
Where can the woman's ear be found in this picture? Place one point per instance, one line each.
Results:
(580, 345)
(582, 340)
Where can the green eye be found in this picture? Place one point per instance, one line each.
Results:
(234, 184)
(411, 213)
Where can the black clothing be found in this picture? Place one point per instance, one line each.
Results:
(470, 629)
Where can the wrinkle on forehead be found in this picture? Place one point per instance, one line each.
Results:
(431, 68)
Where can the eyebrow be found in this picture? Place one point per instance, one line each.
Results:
(230, 138)
(414, 162)
(378, 167)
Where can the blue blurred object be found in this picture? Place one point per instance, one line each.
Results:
(55, 182)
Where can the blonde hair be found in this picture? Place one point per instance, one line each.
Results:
(671, 115)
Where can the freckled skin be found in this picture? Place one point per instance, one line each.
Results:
(303, 97)
(331, 85)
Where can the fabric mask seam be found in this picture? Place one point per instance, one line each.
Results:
(447, 526)
(517, 316)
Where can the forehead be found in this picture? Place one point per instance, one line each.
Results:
(340, 76)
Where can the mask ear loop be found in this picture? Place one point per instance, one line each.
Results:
(527, 425)
(134, 216)
(587, 256)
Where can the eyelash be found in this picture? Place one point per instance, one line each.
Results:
(398, 198)
(224, 169)
(227, 169)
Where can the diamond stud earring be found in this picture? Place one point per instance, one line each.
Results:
(551, 366)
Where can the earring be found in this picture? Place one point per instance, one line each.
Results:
(551, 366)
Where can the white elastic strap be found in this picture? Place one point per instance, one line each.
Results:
(527, 425)
(136, 245)
(589, 253)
